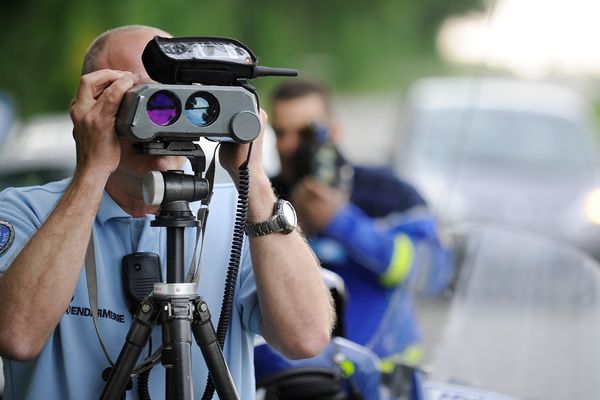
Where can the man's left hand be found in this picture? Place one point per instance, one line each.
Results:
(232, 155)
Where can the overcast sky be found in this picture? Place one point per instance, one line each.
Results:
(533, 38)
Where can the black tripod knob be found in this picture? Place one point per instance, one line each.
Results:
(165, 187)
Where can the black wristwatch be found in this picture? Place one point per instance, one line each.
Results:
(283, 221)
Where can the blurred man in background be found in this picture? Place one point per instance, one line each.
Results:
(363, 223)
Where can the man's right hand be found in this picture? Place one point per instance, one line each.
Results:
(93, 113)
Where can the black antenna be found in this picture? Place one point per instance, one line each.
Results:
(269, 71)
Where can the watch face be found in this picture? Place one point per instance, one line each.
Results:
(288, 213)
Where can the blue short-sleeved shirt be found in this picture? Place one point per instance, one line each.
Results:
(71, 362)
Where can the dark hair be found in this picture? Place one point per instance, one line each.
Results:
(297, 88)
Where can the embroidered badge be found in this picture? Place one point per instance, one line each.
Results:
(7, 235)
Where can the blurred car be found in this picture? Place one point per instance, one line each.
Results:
(490, 150)
(43, 150)
(8, 123)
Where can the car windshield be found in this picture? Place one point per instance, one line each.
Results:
(524, 320)
(498, 138)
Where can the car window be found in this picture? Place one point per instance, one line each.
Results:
(501, 138)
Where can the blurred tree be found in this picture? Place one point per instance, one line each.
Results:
(352, 44)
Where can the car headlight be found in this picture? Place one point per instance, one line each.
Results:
(591, 206)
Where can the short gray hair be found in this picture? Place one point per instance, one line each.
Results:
(90, 59)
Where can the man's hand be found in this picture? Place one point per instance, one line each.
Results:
(93, 113)
(316, 203)
(233, 155)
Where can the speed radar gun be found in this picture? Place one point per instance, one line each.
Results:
(203, 93)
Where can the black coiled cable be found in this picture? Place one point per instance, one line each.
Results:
(143, 381)
(144, 377)
(234, 264)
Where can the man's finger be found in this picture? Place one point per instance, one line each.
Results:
(92, 85)
(108, 103)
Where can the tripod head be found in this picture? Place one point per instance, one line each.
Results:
(165, 187)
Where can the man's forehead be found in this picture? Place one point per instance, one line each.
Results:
(299, 110)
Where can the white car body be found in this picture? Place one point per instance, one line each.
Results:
(520, 153)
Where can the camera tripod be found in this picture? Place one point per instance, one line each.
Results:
(176, 306)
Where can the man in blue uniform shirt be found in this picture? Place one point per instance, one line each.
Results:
(47, 337)
(364, 223)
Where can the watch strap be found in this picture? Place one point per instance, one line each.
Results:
(275, 224)
(263, 228)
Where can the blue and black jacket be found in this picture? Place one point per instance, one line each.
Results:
(376, 243)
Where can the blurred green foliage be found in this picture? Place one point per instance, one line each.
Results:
(353, 45)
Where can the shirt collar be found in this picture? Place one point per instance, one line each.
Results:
(109, 209)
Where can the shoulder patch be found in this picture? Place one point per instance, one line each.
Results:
(7, 235)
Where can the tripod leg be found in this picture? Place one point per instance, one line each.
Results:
(137, 337)
(177, 350)
(205, 336)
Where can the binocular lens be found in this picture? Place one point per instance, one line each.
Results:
(163, 108)
(202, 108)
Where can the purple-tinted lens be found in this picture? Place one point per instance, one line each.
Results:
(163, 108)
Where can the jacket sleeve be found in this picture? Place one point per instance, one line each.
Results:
(390, 247)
